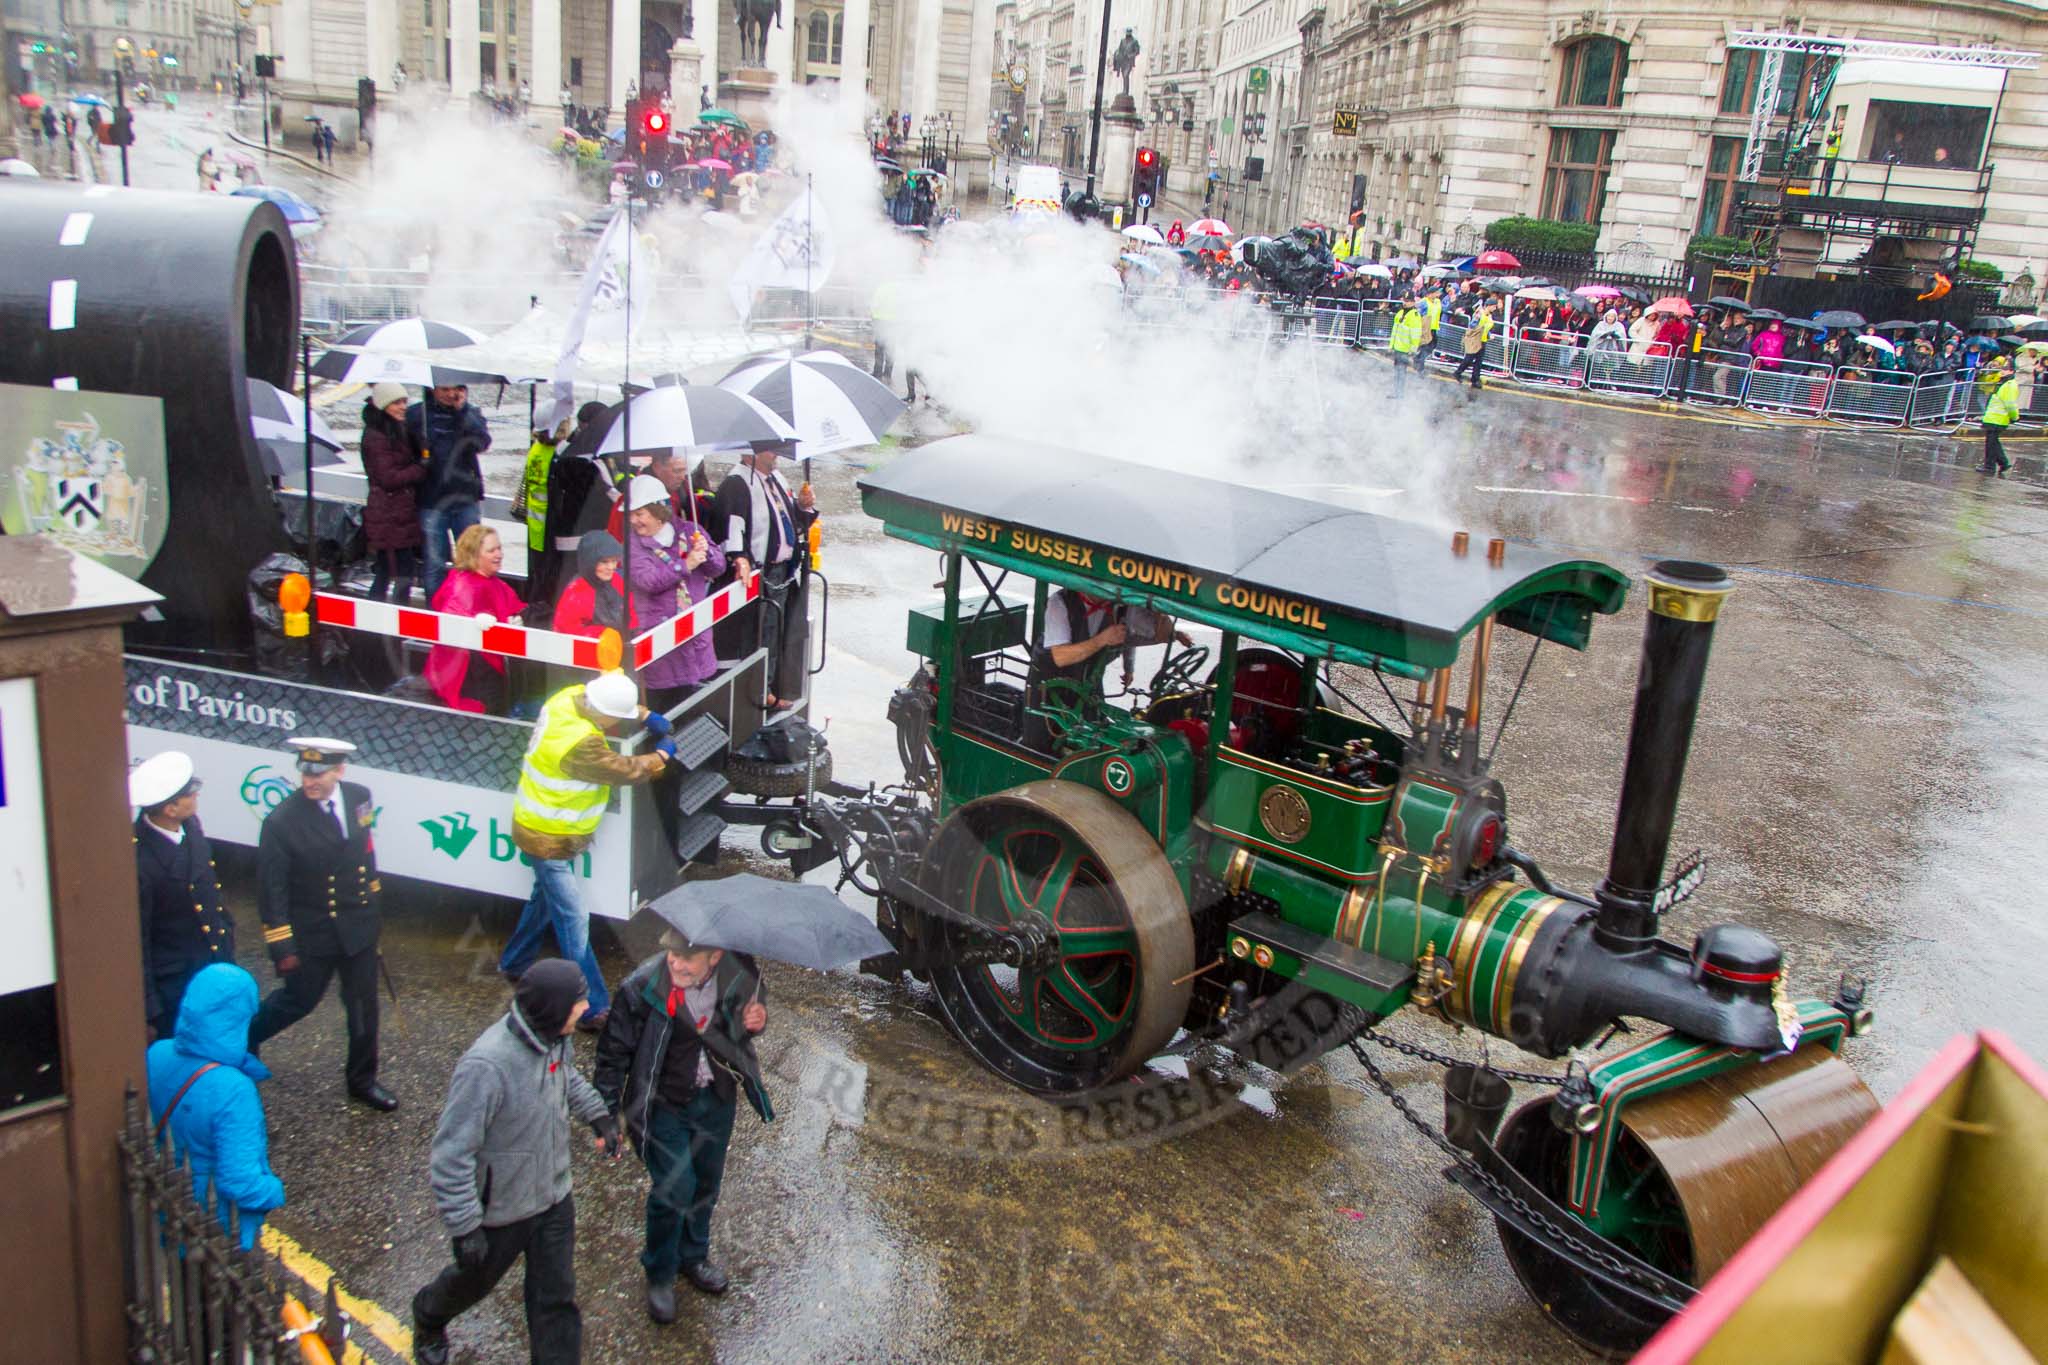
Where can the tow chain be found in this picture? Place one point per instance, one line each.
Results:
(1638, 1275)
(1424, 1054)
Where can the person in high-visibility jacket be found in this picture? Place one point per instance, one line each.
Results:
(557, 809)
(1406, 340)
(1432, 316)
(2000, 411)
(530, 504)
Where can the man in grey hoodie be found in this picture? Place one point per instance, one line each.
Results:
(500, 1167)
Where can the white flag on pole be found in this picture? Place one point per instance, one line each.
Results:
(617, 287)
(794, 253)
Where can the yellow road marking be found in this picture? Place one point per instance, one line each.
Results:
(371, 1316)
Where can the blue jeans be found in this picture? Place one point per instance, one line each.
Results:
(685, 1154)
(441, 525)
(555, 903)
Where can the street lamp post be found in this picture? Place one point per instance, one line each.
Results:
(1095, 114)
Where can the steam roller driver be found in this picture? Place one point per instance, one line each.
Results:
(1078, 627)
(317, 889)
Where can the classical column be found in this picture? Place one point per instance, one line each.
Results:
(464, 35)
(707, 16)
(625, 58)
(924, 53)
(380, 41)
(544, 63)
(981, 63)
(781, 55)
(853, 68)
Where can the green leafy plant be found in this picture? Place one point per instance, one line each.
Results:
(1540, 234)
(1713, 244)
(1980, 270)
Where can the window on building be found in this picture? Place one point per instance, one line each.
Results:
(511, 16)
(1717, 199)
(818, 44)
(1575, 182)
(1910, 133)
(1592, 74)
(838, 38)
(1745, 66)
(486, 19)
(427, 13)
(575, 71)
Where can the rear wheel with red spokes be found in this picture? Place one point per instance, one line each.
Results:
(1072, 869)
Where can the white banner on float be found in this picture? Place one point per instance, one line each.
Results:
(442, 832)
(25, 920)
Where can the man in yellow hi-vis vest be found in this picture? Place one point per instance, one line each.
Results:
(562, 789)
(1406, 340)
(2000, 411)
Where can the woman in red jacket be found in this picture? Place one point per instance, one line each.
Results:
(466, 679)
(594, 601)
(1671, 335)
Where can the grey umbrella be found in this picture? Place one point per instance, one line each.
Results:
(793, 922)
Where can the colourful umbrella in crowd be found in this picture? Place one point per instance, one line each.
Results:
(1673, 304)
(1498, 260)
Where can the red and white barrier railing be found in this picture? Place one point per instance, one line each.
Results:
(524, 642)
(651, 644)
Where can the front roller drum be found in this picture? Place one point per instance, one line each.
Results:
(1694, 1172)
(1080, 873)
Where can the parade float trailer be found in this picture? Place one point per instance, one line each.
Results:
(132, 320)
(1918, 1242)
(1086, 887)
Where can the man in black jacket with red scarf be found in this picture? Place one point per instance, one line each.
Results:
(672, 1061)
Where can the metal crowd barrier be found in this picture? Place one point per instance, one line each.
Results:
(1548, 362)
(1869, 402)
(1717, 376)
(1450, 348)
(1940, 399)
(1375, 328)
(1623, 372)
(1795, 388)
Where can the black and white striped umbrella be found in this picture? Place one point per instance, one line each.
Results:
(275, 415)
(278, 421)
(831, 402)
(409, 334)
(372, 367)
(691, 415)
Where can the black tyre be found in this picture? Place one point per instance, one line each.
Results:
(756, 777)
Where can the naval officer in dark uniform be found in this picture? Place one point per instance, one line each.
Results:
(184, 926)
(317, 892)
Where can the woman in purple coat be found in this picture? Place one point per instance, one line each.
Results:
(670, 566)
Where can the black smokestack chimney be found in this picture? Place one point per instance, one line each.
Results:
(1684, 600)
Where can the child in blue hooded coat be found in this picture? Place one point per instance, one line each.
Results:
(217, 1123)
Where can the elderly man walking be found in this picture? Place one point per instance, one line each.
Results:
(500, 1168)
(672, 1062)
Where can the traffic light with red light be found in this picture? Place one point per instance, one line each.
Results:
(647, 126)
(1145, 174)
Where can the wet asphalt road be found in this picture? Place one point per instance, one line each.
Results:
(1866, 778)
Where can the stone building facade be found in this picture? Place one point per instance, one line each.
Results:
(1436, 117)
(929, 58)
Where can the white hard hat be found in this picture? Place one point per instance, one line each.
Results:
(156, 780)
(645, 491)
(613, 694)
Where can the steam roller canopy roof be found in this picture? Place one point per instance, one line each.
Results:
(1295, 572)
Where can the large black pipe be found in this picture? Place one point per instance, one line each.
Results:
(177, 297)
(1685, 598)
